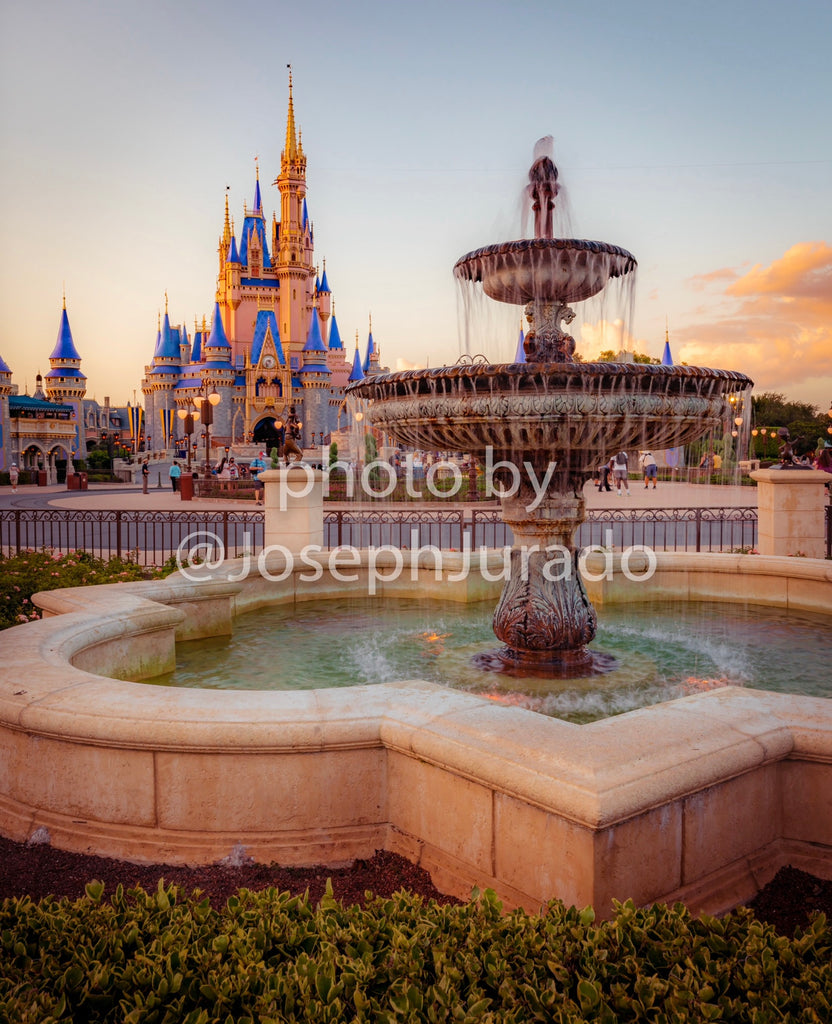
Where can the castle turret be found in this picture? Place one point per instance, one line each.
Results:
(65, 383)
(357, 371)
(6, 389)
(371, 359)
(292, 262)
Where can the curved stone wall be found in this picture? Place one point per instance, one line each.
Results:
(700, 799)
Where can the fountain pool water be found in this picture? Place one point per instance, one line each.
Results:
(666, 650)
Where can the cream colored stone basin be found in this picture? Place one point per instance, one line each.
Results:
(700, 799)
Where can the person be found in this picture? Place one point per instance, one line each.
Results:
(233, 472)
(824, 460)
(706, 462)
(145, 476)
(254, 467)
(620, 468)
(174, 473)
(650, 469)
(14, 476)
(604, 476)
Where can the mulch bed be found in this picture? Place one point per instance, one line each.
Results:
(787, 902)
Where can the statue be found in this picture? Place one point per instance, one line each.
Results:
(543, 188)
(787, 453)
(290, 448)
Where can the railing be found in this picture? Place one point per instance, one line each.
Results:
(828, 511)
(148, 537)
(666, 529)
(152, 537)
(366, 528)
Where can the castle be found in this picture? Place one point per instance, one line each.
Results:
(273, 358)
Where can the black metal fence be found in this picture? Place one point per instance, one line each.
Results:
(828, 511)
(147, 537)
(665, 529)
(151, 538)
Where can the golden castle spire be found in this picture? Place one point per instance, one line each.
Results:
(226, 231)
(291, 150)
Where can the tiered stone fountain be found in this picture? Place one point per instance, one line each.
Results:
(551, 415)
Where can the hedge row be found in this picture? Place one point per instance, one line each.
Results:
(272, 957)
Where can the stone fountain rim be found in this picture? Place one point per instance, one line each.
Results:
(527, 244)
(485, 369)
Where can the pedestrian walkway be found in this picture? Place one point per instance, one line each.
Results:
(128, 496)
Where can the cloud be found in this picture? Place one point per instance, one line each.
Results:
(405, 364)
(594, 338)
(701, 281)
(772, 322)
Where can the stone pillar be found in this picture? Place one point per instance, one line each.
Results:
(790, 514)
(294, 507)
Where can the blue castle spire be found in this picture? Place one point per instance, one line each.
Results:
(65, 346)
(371, 349)
(356, 373)
(335, 336)
(217, 339)
(314, 351)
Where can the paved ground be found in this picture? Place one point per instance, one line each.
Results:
(127, 496)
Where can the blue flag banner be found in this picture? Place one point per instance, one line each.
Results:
(166, 416)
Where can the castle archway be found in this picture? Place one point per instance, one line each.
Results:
(269, 433)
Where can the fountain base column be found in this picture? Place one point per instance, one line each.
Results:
(544, 616)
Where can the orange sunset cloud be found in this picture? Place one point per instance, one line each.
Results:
(772, 322)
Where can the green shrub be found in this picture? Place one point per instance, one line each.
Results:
(31, 571)
(271, 957)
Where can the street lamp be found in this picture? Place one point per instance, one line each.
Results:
(207, 413)
(110, 438)
(188, 416)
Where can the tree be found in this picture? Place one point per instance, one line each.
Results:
(608, 356)
(803, 420)
(333, 453)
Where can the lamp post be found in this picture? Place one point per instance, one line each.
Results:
(206, 411)
(110, 438)
(188, 416)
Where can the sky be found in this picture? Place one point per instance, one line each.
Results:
(694, 135)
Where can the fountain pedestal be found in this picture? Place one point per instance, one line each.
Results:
(544, 616)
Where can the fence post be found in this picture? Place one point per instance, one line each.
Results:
(698, 520)
(225, 532)
(118, 534)
(17, 529)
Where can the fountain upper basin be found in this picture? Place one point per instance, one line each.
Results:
(545, 407)
(544, 269)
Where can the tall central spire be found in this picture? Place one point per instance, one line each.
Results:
(291, 150)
